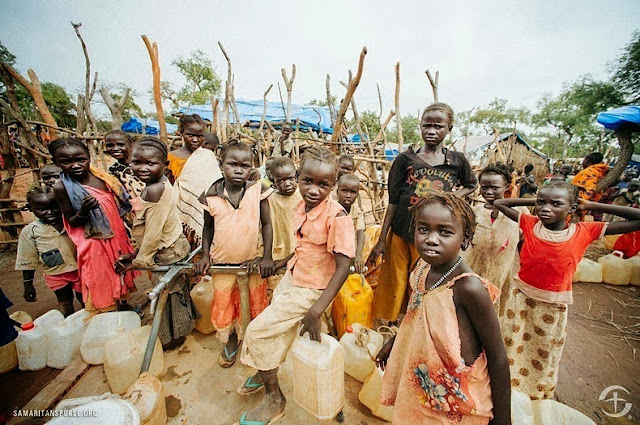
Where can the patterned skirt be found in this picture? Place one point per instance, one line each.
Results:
(534, 333)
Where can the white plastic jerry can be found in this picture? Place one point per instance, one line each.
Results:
(64, 340)
(31, 346)
(147, 394)
(318, 376)
(588, 271)
(614, 271)
(634, 266)
(361, 345)
(370, 395)
(101, 329)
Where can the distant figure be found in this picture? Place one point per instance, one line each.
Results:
(528, 183)
(211, 141)
(629, 175)
(117, 144)
(50, 174)
(587, 180)
(282, 143)
(346, 165)
(192, 128)
(348, 189)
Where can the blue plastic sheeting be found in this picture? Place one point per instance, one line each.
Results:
(614, 118)
(251, 110)
(152, 127)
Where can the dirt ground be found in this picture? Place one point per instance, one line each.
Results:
(596, 356)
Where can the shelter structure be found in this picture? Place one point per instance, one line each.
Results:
(508, 148)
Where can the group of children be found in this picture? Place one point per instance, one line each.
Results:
(458, 351)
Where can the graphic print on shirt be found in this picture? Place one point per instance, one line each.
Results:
(426, 180)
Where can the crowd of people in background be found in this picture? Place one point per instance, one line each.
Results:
(472, 324)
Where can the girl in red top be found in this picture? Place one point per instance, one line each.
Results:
(535, 317)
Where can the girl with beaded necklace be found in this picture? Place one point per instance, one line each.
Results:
(447, 364)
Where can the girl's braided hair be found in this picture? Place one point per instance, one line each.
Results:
(155, 143)
(320, 154)
(126, 136)
(442, 107)
(236, 144)
(499, 168)
(64, 142)
(459, 208)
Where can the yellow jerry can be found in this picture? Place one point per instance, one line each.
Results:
(353, 304)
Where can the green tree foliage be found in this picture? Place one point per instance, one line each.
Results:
(570, 117)
(201, 78)
(499, 115)
(626, 70)
(56, 98)
(323, 102)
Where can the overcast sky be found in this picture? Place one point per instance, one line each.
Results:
(516, 50)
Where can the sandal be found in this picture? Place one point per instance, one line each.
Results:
(250, 387)
(244, 421)
(227, 360)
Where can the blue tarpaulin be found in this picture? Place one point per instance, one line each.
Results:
(152, 127)
(314, 117)
(614, 118)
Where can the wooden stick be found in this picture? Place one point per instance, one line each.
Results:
(155, 68)
(264, 108)
(332, 109)
(380, 103)
(353, 85)
(236, 120)
(116, 107)
(434, 83)
(288, 83)
(227, 95)
(214, 111)
(384, 125)
(398, 117)
(35, 90)
(88, 92)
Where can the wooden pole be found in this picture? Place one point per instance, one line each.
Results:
(155, 69)
(214, 111)
(380, 104)
(398, 117)
(227, 95)
(35, 90)
(288, 83)
(332, 108)
(353, 85)
(88, 92)
(434, 83)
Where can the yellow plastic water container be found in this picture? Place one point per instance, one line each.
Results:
(63, 342)
(202, 295)
(8, 357)
(634, 265)
(360, 345)
(318, 376)
(370, 395)
(588, 271)
(123, 357)
(21, 317)
(101, 329)
(147, 395)
(614, 271)
(353, 304)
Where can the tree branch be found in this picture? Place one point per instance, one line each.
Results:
(155, 69)
(353, 85)
(434, 83)
(398, 117)
(288, 83)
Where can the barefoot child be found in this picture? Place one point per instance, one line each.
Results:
(93, 203)
(159, 238)
(50, 174)
(534, 324)
(117, 144)
(414, 174)
(282, 204)
(234, 210)
(45, 240)
(448, 363)
(315, 272)
(492, 253)
(348, 189)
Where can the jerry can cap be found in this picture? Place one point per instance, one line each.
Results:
(28, 326)
(349, 328)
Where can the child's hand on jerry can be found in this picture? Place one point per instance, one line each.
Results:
(383, 355)
(201, 267)
(311, 323)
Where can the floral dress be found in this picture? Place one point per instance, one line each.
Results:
(427, 380)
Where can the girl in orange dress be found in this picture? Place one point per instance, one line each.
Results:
(447, 364)
(93, 203)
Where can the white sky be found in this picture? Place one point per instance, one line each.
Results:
(516, 49)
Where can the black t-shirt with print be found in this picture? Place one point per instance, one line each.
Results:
(410, 178)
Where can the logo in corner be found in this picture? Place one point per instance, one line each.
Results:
(610, 395)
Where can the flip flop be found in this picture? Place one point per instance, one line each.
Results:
(273, 420)
(250, 387)
(226, 359)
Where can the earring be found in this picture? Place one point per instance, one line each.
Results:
(465, 245)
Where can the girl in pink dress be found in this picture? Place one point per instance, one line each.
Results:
(447, 364)
(93, 203)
